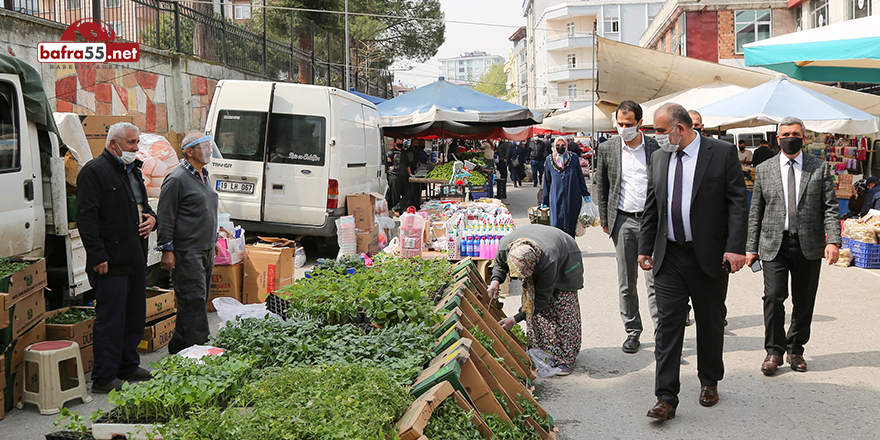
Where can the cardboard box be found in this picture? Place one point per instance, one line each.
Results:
(267, 268)
(96, 128)
(19, 285)
(160, 302)
(15, 349)
(12, 392)
(157, 334)
(81, 332)
(2, 371)
(87, 355)
(226, 281)
(22, 316)
(412, 425)
(368, 242)
(362, 207)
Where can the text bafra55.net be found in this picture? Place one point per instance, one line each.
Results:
(91, 52)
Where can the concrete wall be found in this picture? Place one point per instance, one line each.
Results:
(163, 92)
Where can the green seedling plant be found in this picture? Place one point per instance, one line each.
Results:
(450, 422)
(9, 267)
(72, 316)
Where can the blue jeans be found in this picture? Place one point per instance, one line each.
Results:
(537, 171)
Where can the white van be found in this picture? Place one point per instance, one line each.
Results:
(288, 170)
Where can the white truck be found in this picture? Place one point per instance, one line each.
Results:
(33, 200)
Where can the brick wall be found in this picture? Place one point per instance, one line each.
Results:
(726, 36)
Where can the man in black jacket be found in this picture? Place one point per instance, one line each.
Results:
(114, 220)
(536, 159)
(693, 236)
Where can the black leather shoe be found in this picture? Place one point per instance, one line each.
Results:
(631, 345)
(105, 388)
(138, 374)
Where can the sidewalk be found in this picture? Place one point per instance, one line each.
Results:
(609, 392)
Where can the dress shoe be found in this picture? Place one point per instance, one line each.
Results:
(689, 321)
(797, 362)
(708, 396)
(631, 345)
(105, 388)
(662, 410)
(771, 364)
(137, 375)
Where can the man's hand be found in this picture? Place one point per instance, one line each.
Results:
(102, 268)
(605, 230)
(494, 286)
(167, 261)
(751, 258)
(646, 262)
(146, 227)
(507, 323)
(736, 261)
(832, 253)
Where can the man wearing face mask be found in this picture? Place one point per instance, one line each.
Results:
(187, 238)
(793, 223)
(697, 118)
(621, 186)
(693, 236)
(745, 156)
(114, 220)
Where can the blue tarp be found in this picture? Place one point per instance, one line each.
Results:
(371, 98)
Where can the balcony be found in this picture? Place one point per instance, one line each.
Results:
(566, 41)
(570, 72)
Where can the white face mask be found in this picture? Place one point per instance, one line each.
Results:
(665, 144)
(128, 157)
(628, 133)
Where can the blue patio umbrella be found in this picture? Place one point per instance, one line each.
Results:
(450, 109)
(848, 51)
(770, 102)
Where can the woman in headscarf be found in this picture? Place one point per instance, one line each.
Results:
(548, 262)
(564, 187)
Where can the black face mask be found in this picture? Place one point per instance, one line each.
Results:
(791, 145)
(698, 130)
(560, 149)
(741, 148)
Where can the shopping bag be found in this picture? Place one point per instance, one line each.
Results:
(589, 216)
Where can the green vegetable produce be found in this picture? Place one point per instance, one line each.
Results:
(450, 422)
(519, 334)
(9, 267)
(72, 316)
(532, 411)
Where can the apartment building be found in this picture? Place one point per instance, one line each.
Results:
(468, 67)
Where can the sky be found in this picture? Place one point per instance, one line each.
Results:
(461, 38)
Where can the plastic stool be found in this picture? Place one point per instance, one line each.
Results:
(49, 377)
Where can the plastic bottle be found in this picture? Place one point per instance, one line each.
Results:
(412, 228)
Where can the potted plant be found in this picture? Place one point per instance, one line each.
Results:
(74, 428)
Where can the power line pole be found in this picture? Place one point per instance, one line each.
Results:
(347, 54)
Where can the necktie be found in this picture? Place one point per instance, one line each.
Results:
(677, 223)
(792, 199)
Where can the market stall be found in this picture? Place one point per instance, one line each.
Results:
(861, 241)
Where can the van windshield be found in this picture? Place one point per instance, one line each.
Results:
(297, 139)
(240, 134)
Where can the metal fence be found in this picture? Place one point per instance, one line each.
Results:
(274, 43)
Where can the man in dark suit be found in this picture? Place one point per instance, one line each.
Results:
(115, 219)
(761, 154)
(621, 184)
(693, 237)
(793, 209)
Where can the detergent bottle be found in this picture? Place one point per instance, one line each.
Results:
(412, 228)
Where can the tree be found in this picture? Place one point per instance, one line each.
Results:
(493, 82)
(416, 36)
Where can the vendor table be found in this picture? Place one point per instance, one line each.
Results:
(430, 184)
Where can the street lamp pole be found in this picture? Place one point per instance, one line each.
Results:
(347, 54)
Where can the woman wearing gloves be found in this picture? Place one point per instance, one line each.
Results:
(564, 187)
(549, 264)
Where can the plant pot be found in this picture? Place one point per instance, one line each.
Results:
(107, 427)
(68, 435)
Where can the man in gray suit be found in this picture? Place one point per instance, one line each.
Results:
(793, 208)
(621, 184)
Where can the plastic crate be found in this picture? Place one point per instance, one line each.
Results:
(865, 255)
(485, 190)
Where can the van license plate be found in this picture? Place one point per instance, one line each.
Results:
(235, 187)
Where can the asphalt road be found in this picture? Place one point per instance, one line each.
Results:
(609, 392)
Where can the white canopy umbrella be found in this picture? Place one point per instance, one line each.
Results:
(769, 103)
(690, 99)
(582, 120)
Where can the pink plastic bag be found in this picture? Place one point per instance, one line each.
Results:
(223, 257)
